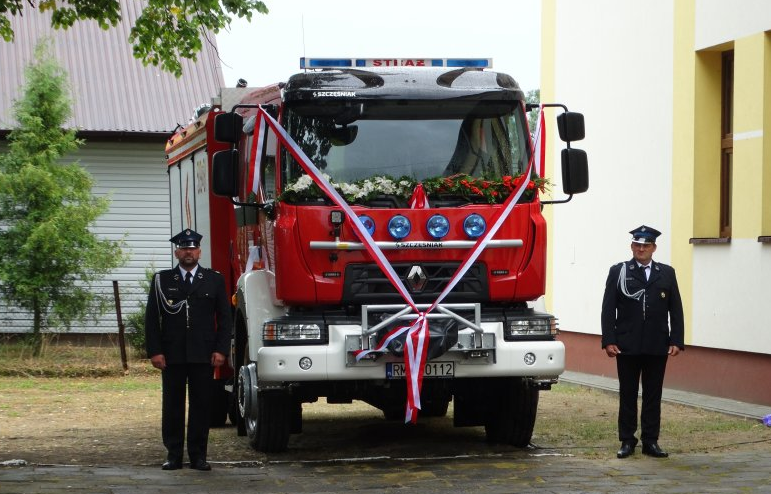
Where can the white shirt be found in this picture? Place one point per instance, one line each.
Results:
(192, 272)
(646, 271)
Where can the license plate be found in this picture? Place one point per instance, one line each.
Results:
(396, 370)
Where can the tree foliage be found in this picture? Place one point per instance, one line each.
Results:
(165, 32)
(51, 259)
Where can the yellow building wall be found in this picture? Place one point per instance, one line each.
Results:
(765, 224)
(683, 159)
(747, 183)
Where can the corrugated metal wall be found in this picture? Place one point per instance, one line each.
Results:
(111, 90)
(134, 175)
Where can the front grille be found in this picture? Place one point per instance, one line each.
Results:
(366, 283)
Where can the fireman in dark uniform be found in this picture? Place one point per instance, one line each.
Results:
(642, 324)
(187, 332)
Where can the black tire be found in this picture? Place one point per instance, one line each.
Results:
(269, 430)
(241, 358)
(220, 403)
(512, 413)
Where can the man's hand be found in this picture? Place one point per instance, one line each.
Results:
(612, 350)
(158, 361)
(217, 359)
(673, 351)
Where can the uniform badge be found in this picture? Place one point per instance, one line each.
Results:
(663, 295)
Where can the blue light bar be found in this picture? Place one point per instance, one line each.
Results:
(481, 63)
(342, 63)
(325, 63)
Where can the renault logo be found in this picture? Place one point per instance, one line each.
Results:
(416, 279)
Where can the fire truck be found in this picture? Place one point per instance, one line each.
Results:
(380, 223)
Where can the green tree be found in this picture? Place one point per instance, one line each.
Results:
(51, 260)
(166, 31)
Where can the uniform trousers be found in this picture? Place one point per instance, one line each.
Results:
(198, 379)
(631, 370)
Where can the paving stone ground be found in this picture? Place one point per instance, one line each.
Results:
(734, 472)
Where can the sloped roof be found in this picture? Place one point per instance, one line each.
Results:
(111, 90)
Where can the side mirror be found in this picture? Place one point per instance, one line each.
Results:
(571, 126)
(225, 173)
(228, 127)
(575, 171)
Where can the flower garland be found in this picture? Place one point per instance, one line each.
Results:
(493, 191)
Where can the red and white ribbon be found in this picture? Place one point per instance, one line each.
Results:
(419, 200)
(540, 145)
(255, 167)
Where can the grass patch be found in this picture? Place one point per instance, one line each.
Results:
(64, 359)
(583, 421)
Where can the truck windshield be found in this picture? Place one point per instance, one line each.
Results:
(351, 140)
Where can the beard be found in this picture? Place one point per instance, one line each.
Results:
(187, 260)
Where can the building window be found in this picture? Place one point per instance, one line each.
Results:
(726, 142)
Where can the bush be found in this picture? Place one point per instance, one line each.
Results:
(135, 329)
(135, 322)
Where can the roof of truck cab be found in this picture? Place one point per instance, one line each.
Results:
(401, 82)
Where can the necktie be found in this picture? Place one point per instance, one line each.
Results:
(644, 268)
(189, 278)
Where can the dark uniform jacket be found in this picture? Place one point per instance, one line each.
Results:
(191, 332)
(639, 330)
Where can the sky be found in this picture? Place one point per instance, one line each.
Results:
(268, 49)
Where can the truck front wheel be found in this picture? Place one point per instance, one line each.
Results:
(268, 427)
(512, 412)
(266, 413)
(241, 358)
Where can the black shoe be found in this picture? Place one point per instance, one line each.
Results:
(627, 449)
(171, 465)
(652, 449)
(200, 464)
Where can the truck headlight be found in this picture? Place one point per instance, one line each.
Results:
(278, 332)
(519, 328)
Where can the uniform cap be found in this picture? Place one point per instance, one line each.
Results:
(187, 238)
(644, 235)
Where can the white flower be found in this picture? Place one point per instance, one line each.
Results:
(359, 189)
(301, 184)
(349, 189)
